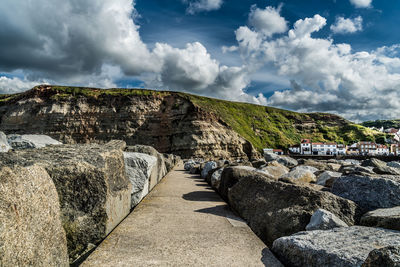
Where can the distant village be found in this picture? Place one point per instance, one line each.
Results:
(307, 147)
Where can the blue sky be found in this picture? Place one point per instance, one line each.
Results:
(338, 56)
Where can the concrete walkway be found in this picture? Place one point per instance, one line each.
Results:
(182, 222)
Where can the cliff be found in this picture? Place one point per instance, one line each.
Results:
(183, 124)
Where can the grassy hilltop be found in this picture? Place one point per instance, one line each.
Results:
(262, 126)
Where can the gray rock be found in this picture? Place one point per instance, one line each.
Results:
(231, 175)
(300, 175)
(274, 209)
(380, 167)
(4, 145)
(27, 141)
(94, 191)
(216, 178)
(394, 164)
(208, 166)
(327, 175)
(339, 247)
(356, 169)
(196, 169)
(284, 160)
(275, 169)
(258, 163)
(384, 218)
(383, 257)
(324, 220)
(31, 233)
(140, 169)
(370, 193)
(189, 164)
(305, 168)
(161, 166)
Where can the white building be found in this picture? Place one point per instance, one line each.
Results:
(382, 150)
(295, 150)
(305, 147)
(324, 149)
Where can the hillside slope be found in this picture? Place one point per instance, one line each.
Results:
(184, 124)
(383, 123)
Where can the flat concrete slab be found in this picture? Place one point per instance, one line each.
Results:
(182, 222)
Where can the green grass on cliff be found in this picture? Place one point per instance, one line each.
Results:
(277, 128)
(383, 123)
(262, 126)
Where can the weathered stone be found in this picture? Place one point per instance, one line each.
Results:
(384, 218)
(284, 160)
(258, 163)
(171, 161)
(327, 175)
(306, 168)
(394, 164)
(300, 175)
(339, 247)
(94, 191)
(380, 167)
(31, 141)
(356, 169)
(275, 169)
(324, 220)
(140, 169)
(189, 164)
(196, 169)
(216, 178)
(31, 233)
(161, 166)
(4, 145)
(231, 175)
(274, 209)
(370, 193)
(383, 257)
(208, 166)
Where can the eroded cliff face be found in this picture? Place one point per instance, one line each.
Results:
(166, 121)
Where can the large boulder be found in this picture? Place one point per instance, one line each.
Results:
(189, 164)
(339, 247)
(258, 163)
(384, 218)
(284, 160)
(140, 169)
(161, 166)
(324, 220)
(216, 178)
(394, 164)
(208, 166)
(369, 192)
(321, 165)
(300, 174)
(326, 176)
(31, 233)
(4, 145)
(26, 141)
(380, 167)
(275, 169)
(94, 191)
(231, 175)
(357, 169)
(383, 257)
(274, 209)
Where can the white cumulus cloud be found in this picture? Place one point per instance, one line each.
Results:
(196, 6)
(267, 21)
(343, 25)
(326, 76)
(361, 3)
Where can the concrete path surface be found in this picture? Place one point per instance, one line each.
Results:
(182, 222)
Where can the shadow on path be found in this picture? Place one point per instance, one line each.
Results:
(201, 196)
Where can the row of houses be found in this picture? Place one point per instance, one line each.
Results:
(306, 147)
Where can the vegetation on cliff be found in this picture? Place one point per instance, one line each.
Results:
(262, 126)
(383, 123)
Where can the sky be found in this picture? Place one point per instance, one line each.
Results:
(334, 56)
